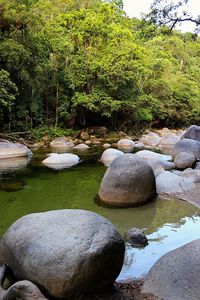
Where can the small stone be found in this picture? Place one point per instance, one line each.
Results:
(136, 237)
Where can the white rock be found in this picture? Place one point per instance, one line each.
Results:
(81, 147)
(61, 161)
(109, 155)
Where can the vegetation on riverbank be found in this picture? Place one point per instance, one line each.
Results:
(74, 63)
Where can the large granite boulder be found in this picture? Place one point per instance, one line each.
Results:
(109, 155)
(61, 161)
(13, 150)
(193, 132)
(129, 181)
(188, 146)
(62, 143)
(66, 252)
(184, 160)
(175, 276)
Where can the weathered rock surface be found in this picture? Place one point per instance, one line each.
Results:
(136, 237)
(109, 155)
(193, 132)
(175, 276)
(188, 146)
(129, 181)
(125, 144)
(184, 160)
(13, 150)
(61, 161)
(62, 143)
(66, 252)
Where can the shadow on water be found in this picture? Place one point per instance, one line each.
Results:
(168, 223)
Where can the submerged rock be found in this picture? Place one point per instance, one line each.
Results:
(60, 161)
(176, 274)
(136, 237)
(129, 181)
(13, 150)
(65, 252)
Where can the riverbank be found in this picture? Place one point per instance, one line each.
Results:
(123, 290)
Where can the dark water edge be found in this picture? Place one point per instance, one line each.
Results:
(168, 223)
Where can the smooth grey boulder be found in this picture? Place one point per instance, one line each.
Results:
(64, 252)
(184, 160)
(136, 237)
(175, 276)
(188, 146)
(129, 181)
(193, 132)
(158, 162)
(150, 155)
(62, 143)
(168, 183)
(125, 144)
(109, 155)
(13, 150)
(60, 161)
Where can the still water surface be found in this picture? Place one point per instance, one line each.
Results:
(168, 223)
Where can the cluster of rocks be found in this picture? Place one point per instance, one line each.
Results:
(176, 175)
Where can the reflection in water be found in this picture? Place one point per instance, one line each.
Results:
(13, 164)
(168, 223)
(139, 261)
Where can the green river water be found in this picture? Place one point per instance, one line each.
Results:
(168, 223)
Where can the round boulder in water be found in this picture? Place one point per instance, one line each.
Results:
(12, 150)
(81, 147)
(125, 144)
(129, 181)
(61, 143)
(65, 252)
(61, 161)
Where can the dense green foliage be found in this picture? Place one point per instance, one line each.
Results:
(72, 63)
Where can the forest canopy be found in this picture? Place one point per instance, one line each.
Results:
(73, 63)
